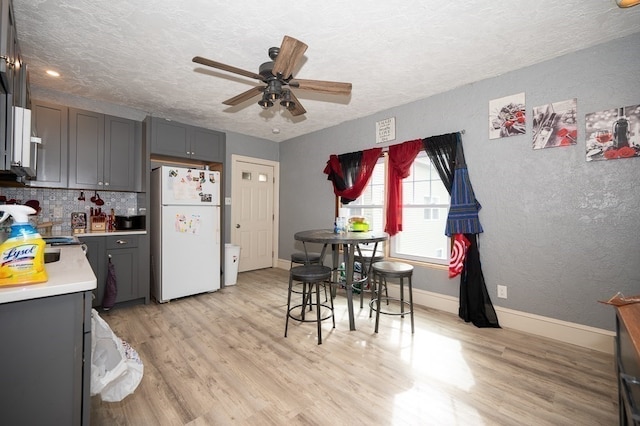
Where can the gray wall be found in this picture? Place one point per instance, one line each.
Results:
(561, 233)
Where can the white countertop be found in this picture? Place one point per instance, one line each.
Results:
(72, 273)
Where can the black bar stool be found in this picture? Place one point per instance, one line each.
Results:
(302, 258)
(382, 271)
(309, 258)
(366, 258)
(310, 276)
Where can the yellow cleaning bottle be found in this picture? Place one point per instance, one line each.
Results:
(22, 254)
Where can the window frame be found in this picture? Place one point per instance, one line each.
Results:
(389, 246)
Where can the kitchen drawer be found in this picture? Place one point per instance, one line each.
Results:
(122, 241)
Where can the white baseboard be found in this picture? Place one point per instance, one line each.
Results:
(567, 332)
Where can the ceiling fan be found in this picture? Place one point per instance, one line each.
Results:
(277, 76)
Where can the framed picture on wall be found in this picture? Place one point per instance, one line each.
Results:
(507, 116)
(555, 125)
(613, 133)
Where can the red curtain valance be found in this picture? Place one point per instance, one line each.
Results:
(351, 172)
(401, 158)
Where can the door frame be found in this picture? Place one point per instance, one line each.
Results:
(235, 159)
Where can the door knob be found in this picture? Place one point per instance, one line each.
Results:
(237, 225)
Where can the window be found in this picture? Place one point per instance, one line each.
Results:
(426, 203)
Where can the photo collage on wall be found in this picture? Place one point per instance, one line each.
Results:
(610, 134)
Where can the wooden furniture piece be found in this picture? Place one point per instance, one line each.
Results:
(348, 241)
(381, 272)
(311, 277)
(628, 362)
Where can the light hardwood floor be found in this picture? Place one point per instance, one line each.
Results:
(221, 358)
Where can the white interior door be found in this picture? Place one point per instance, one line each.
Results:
(252, 226)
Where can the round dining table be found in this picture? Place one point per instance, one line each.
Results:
(349, 241)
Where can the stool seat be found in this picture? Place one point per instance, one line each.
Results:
(368, 256)
(381, 272)
(300, 257)
(393, 269)
(310, 273)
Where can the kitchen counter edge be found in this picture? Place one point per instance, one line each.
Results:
(71, 274)
(110, 233)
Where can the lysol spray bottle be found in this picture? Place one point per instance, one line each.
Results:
(22, 254)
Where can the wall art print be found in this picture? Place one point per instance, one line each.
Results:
(555, 124)
(613, 133)
(507, 116)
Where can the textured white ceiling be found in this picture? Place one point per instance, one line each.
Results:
(138, 53)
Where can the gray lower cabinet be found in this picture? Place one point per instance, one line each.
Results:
(102, 151)
(127, 253)
(45, 361)
(50, 123)
(177, 140)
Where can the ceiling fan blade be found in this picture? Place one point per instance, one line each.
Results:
(331, 87)
(244, 96)
(290, 53)
(297, 109)
(225, 67)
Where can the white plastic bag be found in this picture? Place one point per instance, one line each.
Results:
(116, 368)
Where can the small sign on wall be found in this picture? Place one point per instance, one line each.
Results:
(386, 130)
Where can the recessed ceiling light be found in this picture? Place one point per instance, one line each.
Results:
(53, 73)
(275, 130)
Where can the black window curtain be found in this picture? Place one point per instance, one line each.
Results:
(447, 155)
(351, 172)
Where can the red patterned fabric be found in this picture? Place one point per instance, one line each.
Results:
(351, 172)
(401, 158)
(458, 254)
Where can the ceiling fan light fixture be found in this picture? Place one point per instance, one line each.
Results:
(286, 100)
(273, 91)
(265, 103)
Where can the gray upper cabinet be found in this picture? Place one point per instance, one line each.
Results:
(207, 145)
(86, 149)
(102, 151)
(8, 45)
(170, 138)
(178, 140)
(50, 123)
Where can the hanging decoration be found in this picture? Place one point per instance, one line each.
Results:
(459, 244)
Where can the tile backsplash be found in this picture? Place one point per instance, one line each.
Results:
(58, 204)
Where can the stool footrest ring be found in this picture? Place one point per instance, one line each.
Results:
(312, 318)
(374, 305)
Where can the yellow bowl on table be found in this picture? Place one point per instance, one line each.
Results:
(359, 227)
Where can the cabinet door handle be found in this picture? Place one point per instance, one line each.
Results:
(121, 242)
(99, 183)
(106, 184)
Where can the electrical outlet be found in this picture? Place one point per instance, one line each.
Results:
(502, 291)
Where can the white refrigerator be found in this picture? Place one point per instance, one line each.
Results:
(185, 232)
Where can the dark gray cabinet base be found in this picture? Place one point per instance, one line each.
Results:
(129, 254)
(45, 361)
